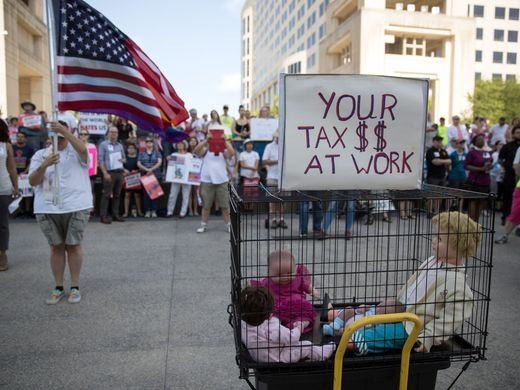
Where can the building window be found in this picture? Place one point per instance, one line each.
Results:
(301, 47)
(301, 11)
(311, 40)
(295, 68)
(247, 68)
(512, 36)
(498, 35)
(498, 57)
(301, 31)
(510, 77)
(247, 90)
(497, 76)
(346, 55)
(478, 76)
(291, 41)
(513, 13)
(310, 3)
(500, 13)
(480, 32)
(247, 45)
(292, 5)
(478, 11)
(511, 58)
(322, 31)
(311, 20)
(478, 56)
(311, 61)
(248, 23)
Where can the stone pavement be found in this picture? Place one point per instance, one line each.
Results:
(153, 314)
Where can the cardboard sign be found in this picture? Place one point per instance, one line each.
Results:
(262, 129)
(92, 159)
(31, 121)
(152, 186)
(184, 169)
(24, 188)
(95, 124)
(133, 181)
(351, 132)
(217, 143)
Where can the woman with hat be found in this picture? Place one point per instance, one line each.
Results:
(36, 134)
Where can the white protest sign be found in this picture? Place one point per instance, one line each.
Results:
(184, 169)
(262, 129)
(351, 132)
(95, 124)
(24, 188)
(31, 121)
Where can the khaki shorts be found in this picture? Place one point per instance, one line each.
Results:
(211, 192)
(65, 228)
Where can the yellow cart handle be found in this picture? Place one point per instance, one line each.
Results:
(379, 319)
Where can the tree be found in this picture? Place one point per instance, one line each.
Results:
(494, 99)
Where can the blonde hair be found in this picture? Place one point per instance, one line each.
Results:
(464, 234)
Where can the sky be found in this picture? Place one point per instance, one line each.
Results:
(195, 43)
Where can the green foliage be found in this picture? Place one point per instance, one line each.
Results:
(493, 99)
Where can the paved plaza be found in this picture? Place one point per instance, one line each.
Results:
(153, 314)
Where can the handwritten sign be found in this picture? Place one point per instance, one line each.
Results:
(24, 188)
(262, 129)
(351, 132)
(184, 169)
(95, 124)
(92, 159)
(31, 121)
(133, 181)
(152, 186)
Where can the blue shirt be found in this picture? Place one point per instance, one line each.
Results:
(458, 172)
(105, 149)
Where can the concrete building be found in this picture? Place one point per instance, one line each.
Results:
(278, 36)
(450, 42)
(24, 56)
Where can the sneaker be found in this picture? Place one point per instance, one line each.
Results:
(303, 235)
(74, 296)
(274, 224)
(4, 264)
(202, 228)
(228, 228)
(148, 214)
(501, 240)
(153, 214)
(56, 296)
(319, 234)
(282, 224)
(134, 214)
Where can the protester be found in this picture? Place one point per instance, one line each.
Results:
(8, 190)
(478, 162)
(442, 131)
(194, 203)
(126, 130)
(437, 163)
(457, 176)
(22, 158)
(36, 135)
(130, 167)
(270, 160)
(111, 158)
(241, 129)
(456, 132)
(498, 132)
(13, 128)
(63, 214)
(513, 218)
(506, 158)
(196, 127)
(214, 180)
(149, 162)
(227, 121)
(175, 188)
(317, 219)
(213, 121)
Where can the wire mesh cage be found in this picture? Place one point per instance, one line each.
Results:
(295, 288)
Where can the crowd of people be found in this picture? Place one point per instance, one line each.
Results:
(475, 157)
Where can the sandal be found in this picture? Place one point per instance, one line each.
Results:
(387, 219)
(404, 217)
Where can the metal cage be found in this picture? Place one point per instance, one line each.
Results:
(364, 266)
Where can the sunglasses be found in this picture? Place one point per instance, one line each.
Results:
(83, 133)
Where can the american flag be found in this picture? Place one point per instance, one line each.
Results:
(102, 70)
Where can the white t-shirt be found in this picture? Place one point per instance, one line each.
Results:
(75, 190)
(214, 168)
(454, 133)
(249, 159)
(498, 133)
(271, 153)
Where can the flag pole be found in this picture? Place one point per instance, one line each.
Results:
(57, 200)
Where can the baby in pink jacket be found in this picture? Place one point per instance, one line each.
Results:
(266, 339)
